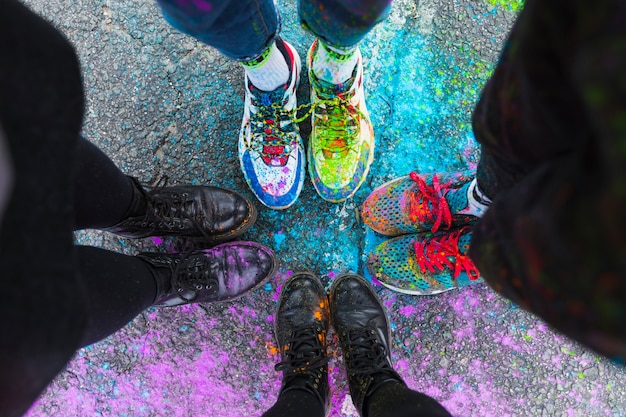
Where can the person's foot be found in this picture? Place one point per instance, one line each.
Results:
(222, 273)
(362, 326)
(208, 213)
(341, 145)
(271, 151)
(301, 326)
(423, 202)
(425, 263)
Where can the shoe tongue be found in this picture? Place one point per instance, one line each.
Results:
(266, 98)
(327, 90)
(457, 199)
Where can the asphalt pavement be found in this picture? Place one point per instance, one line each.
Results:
(161, 104)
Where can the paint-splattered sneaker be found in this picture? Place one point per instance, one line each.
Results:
(424, 202)
(271, 151)
(222, 273)
(425, 263)
(341, 146)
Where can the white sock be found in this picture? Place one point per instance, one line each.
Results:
(477, 202)
(269, 71)
(334, 65)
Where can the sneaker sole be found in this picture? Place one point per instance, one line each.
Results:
(411, 292)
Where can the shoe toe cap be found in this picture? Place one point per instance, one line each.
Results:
(303, 302)
(230, 211)
(245, 266)
(353, 294)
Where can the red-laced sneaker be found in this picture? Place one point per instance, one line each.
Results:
(422, 202)
(425, 263)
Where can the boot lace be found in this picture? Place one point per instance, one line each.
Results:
(169, 211)
(442, 252)
(430, 204)
(194, 274)
(366, 354)
(305, 354)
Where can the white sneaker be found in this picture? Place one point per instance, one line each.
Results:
(271, 151)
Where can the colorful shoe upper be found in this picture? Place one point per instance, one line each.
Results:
(341, 146)
(425, 263)
(271, 151)
(419, 203)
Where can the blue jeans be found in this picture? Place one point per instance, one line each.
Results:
(243, 29)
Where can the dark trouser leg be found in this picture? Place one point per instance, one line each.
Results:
(553, 242)
(397, 400)
(238, 29)
(526, 113)
(342, 23)
(296, 403)
(117, 288)
(103, 195)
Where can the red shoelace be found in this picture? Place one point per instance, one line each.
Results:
(430, 204)
(435, 253)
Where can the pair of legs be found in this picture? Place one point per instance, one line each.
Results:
(56, 296)
(118, 287)
(271, 152)
(552, 174)
(303, 318)
(243, 30)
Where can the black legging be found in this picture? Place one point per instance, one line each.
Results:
(56, 297)
(117, 287)
(390, 400)
(103, 195)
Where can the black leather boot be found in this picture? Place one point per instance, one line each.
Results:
(301, 326)
(222, 273)
(211, 213)
(362, 326)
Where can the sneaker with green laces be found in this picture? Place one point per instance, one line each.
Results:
(341, 145)
(425, 263)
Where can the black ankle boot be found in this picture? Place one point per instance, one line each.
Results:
(301, 326)
(361, 323)
(222, 273)
(211, 213)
